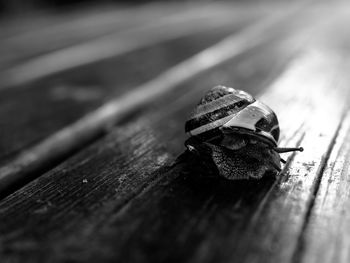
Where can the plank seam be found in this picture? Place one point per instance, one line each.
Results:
(300, 246)
(278, 180)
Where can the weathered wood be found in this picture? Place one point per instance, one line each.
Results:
(64, 142)
(112, 183)
(326, 233)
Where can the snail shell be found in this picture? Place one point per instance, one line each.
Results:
(238, 133)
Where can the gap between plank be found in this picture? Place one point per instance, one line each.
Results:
(48, 153)
(301, 239)
(278, 180)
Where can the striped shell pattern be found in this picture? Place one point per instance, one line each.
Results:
(224, 109)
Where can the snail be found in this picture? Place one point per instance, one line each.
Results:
(236, 134)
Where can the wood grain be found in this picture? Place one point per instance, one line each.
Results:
(326, 234)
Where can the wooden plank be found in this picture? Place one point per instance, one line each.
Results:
(111, 167)
(326, 230)
(67, 140)
(326, 235)
(107, 185)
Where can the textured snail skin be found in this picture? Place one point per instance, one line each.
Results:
(252, 161)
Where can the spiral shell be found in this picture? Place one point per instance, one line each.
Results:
(224, 109)
(237, 131)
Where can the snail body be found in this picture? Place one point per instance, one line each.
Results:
(237, 133)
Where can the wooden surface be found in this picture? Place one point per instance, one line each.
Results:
(91, 152)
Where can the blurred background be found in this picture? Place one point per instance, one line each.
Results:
(23, 6)
(14, 7)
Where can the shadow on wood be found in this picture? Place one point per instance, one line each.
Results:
(181, 214)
